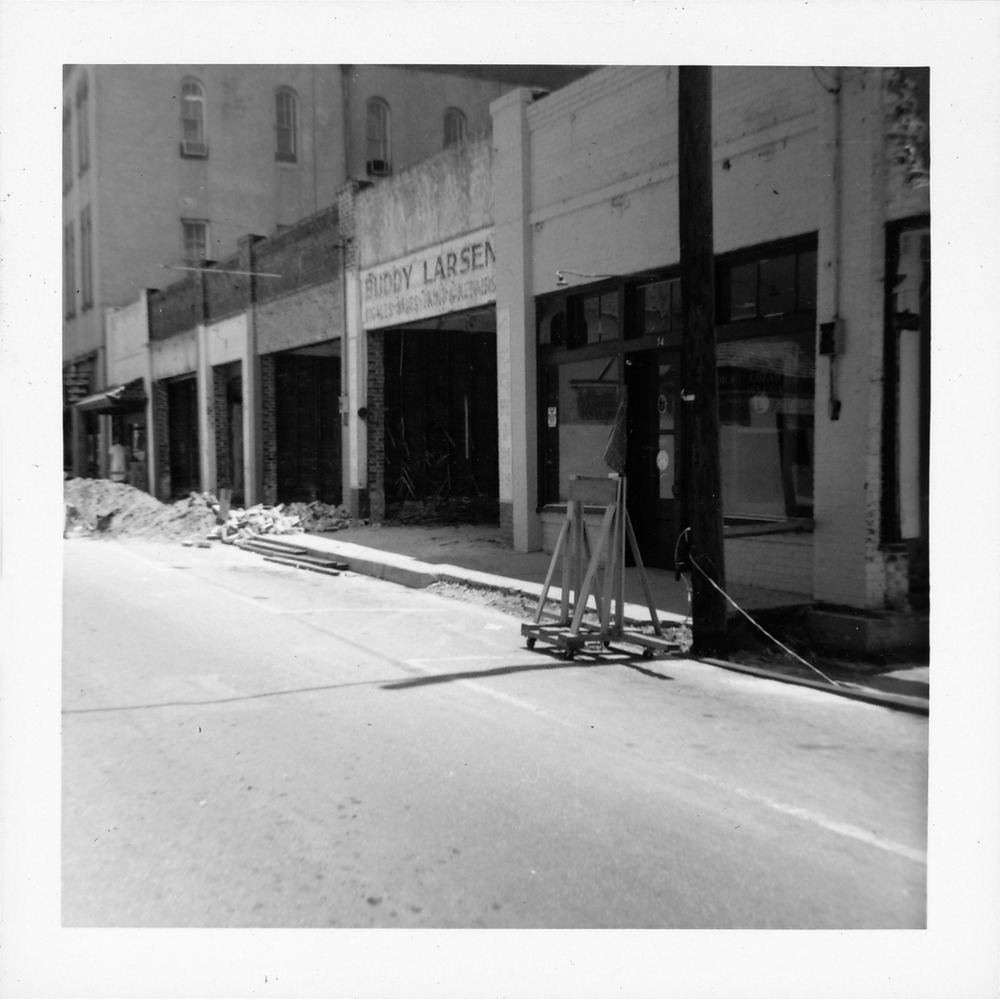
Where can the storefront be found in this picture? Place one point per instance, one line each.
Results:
(307, 423)
(622, 339)
(432, 378)
(182, 436)
(124, 409)
(440, 412)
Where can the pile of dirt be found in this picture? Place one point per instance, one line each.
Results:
(113, 508)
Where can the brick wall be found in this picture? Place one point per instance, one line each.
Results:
(269, 436)
(227, 294)
(347, 223)
(304, 255)
(174, 309)
(775, 562)
(507, 523)
(161, 440)
(220, 423)
(376, 425)
(309, 316)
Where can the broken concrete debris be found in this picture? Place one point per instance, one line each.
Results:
(114, 508)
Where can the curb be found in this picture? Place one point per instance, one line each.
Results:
(410, 572)
(903, 702)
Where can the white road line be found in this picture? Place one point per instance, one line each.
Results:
(523, 657)
(814, 818)
(425, 666)
(518, 703)
(803, 814)
(356, 610)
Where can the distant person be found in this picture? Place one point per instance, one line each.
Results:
(119, 462)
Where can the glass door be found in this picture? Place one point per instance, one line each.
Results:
(652, 379)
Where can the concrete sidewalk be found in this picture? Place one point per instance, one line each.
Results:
(476, 555)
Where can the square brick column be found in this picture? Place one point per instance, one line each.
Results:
(220, 425)
(160, 444)
(269, 433)
(376, 425)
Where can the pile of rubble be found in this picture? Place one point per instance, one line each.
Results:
(319, 518)
(113, 508)
(241, 524)
(291, 518)
(445, 510)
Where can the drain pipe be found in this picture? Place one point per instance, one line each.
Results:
(831, 332)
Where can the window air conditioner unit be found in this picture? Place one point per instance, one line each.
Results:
(190, 148)
(378, 168)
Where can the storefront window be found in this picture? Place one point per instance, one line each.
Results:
(551, 317)
(586, 398)
(768, 286)
(659, 307)
(743, 292)
(590, 348)
(777, 286)
(593, 319)
(766, 390)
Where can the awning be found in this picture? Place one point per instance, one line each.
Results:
(119, 399)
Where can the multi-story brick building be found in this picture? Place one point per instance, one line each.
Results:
(165, 166)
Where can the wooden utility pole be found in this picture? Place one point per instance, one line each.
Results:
(700, 405)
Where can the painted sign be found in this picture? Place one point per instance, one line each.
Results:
(447, 277)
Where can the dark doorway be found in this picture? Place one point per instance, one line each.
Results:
(440, 415)
(307, 427)
(182, 415)
(652, 380)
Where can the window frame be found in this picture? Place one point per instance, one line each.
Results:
(379, 115)
(67, 148)
(890, 526)
(725, 264)
(86, 259)
(69, 270)
(191, 147)
(455, 139)
(190, 261)
(83, 125)
(289, 129)
(801, 322)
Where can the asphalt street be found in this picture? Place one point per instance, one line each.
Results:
(250, 745)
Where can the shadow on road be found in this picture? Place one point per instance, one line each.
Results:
(423, 681)
(420, 681)
(221, 700)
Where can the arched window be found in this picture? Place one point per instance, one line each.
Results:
(193, 119)
(378, 153)
(286, 119)
(82, 125)
(67, 148)
(454, 128)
